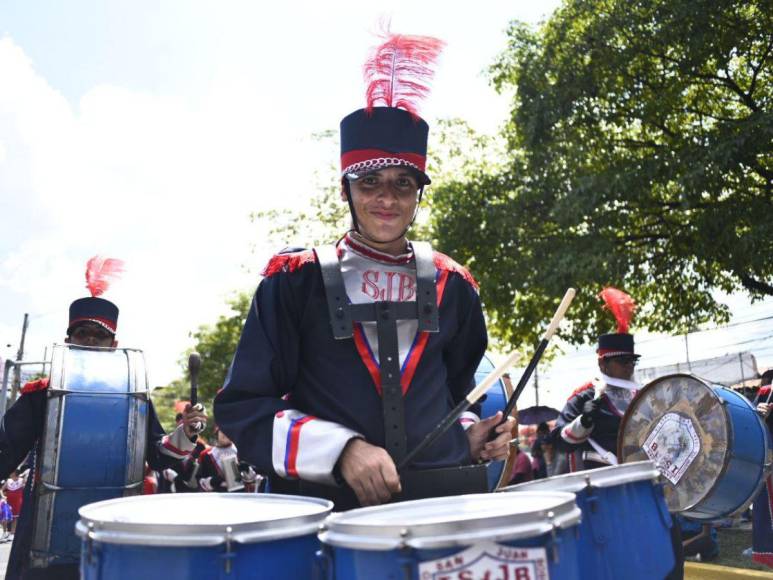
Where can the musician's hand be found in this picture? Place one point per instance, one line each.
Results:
(249, 476)
(497, 449)
(764, 409)
(369, 471)
(169, 474)
(194, 419)
(591, 411)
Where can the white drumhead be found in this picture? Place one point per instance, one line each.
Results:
(201, 519)
(603, 477)
(452, 521)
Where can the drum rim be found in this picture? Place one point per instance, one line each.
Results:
(200, 535)
(728, 432)
(603, 477)
(337, 532)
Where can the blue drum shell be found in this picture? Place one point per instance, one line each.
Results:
(625, 528)
(204, 535)
(349, 564)
(286, 558)
(747, 461)
(353, 543)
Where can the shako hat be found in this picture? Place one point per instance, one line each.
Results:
(100, 272)
(388, 131)
(622, 306)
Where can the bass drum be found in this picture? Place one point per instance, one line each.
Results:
(709, 443)
(495, 400)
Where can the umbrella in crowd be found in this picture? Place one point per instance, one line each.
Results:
(536, 415)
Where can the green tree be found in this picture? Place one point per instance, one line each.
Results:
(639, 156)
(217, 344)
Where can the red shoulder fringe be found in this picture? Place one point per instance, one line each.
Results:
(581, 389)
(32, 386)
(288, 262)
(443, 262)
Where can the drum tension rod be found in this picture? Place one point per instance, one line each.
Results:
(554, 539)
(90, 543)
(228, 556)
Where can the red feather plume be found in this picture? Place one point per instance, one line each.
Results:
(100, 272)
(399, 70)
(620, 305)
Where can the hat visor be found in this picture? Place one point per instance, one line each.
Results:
(423, 178)
(619, 353)
(80, 321)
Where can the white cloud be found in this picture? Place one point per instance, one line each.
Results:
(157, 181)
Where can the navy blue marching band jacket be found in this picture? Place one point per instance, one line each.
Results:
(294, 395)
(20, 432)
(590, 445)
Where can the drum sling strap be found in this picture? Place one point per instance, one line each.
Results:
(385, 314)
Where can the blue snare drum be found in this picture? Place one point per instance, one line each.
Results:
(625, 529)
(495, 400)
(204, 535)
(526, 535)
(93, 444)
(709, 443)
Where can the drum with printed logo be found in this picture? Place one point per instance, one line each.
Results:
(93, 444)
(622, 506)
(526, 535)
(495, 400)
(207, 535)
(710, 445)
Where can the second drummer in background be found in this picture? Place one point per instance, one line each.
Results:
(351, 354)
(588, 425)
(92, 323)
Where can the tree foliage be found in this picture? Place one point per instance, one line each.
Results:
(639, 156)
(217, 344)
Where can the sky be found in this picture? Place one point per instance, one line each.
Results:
(150, 131)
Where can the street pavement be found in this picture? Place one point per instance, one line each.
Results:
(5, 551)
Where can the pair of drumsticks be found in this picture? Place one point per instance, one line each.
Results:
(495, 375)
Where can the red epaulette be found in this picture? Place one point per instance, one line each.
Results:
(443, 262)
(581, 389)
(32, 386)
(763, 392)
(288, 262)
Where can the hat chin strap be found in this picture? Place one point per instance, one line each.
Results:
(356, 224)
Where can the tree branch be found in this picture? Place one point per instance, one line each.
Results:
(755, 285)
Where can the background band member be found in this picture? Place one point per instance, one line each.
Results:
(92, 323)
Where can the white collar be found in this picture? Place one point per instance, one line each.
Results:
(621, 383)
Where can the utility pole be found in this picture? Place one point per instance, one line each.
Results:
(687, 350)
(19, 357)
(536, 385)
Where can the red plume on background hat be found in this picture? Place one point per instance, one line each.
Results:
(100, 273)
(622, 307)
(389, 131)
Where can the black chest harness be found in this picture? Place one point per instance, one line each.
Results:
(343, 314)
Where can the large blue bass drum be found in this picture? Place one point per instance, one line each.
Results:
(710, 445)
(495, 400)
(93, 445)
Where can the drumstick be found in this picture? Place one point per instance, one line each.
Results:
(457, 411)
(551, 330)
(194, 364)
